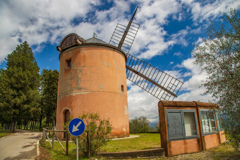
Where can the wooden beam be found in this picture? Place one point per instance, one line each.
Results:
(153, 82)
(126, 31)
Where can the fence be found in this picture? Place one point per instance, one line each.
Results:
(46, 134)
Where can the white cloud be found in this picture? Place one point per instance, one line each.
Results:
(187, 74)
(179, 37)
(150, 40)
(158, 10)
(175, 74)
(203, 11)
(179, 54)
(142, 103)
(37, 21)
(188, 64)
(192, 87)
(199, 41)
(195, 95)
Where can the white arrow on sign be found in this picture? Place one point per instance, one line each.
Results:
(75, 128)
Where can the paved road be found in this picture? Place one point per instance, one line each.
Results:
(22, 145)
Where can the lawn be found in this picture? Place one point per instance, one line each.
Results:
(145, 141)
(57, 153)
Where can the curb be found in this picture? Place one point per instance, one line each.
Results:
(38, 152)
(147, 153)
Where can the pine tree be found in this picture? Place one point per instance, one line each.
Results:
(19, 86)
(49, 82)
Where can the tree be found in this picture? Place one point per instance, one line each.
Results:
(139, 125)
(219, 56)
(49, 82)
(19, 86)
(98, 129)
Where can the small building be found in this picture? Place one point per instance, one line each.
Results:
(188, 127)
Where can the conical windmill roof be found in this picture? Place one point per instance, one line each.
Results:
(95, 40)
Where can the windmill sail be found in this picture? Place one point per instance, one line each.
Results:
(123, 36)
(156, 82)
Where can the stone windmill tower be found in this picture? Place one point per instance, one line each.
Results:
(93, 73)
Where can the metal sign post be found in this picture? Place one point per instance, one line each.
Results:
(76, 127)
(77, 149)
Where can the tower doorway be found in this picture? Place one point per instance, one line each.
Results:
(66, 119)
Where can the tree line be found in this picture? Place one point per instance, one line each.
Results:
(27, 98)
(142, 125)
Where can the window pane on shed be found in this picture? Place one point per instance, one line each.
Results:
(205, 122)
(190, 124)
(175, 125)
(219, 121)
(212, 121)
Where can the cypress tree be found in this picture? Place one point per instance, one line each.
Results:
(19, 86)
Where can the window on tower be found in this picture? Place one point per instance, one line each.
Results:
(122, 88)
(68, 63)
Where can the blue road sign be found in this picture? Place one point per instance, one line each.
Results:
(76, 127)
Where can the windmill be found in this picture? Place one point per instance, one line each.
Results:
(151, 79)
(93, 73)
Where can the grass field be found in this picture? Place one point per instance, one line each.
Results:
(57, 153)
(145, 141)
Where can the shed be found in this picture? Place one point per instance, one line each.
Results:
(188, 127)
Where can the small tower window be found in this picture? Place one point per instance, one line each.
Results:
(68, 63)
(122, 88)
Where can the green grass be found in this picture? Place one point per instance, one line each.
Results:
(145, 141)
(4, 133)
(58, 153)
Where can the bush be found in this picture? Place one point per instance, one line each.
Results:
(99, 130)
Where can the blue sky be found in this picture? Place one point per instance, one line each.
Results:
(169, 29)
